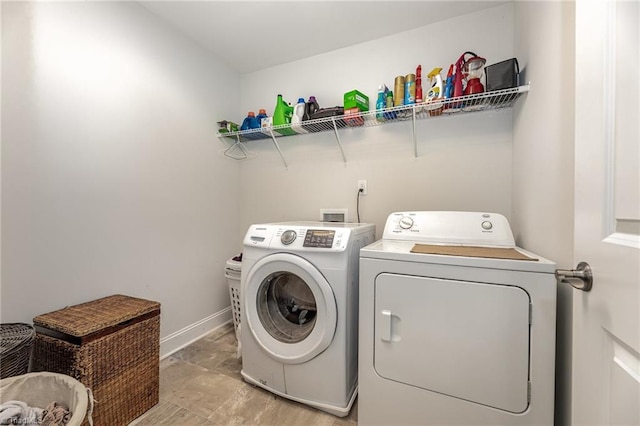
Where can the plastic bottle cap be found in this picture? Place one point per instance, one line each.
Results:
(312, 98)
(300, 100)
(262, 111)
(251, 114)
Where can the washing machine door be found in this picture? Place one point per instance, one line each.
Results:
(290, 308)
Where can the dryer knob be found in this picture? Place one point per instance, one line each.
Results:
(406, 222)
(288, 237)
(487, 225)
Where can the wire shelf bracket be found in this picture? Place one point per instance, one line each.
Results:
(335, 129)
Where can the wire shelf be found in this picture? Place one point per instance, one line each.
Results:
(470, 103)
(485, 101)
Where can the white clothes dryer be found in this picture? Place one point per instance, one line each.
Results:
(299, 291)
(457, 324)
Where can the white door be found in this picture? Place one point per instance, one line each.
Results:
(606, 320)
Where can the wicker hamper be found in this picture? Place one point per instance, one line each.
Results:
(15, 349)
(112, 346)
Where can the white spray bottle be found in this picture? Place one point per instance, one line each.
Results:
(436, 92)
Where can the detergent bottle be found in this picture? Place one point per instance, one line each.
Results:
(282, 115)
(310, 108)
(298, 114)
(262, 113)
(250, 122)
(282, 112)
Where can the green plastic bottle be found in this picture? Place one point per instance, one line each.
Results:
(282, 115)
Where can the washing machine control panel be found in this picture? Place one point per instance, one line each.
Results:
(302, 238)
(452, 228)
(319, 238)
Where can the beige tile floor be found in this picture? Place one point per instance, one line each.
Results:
(202, 385)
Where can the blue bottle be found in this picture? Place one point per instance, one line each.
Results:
(250, 122)
(381, 103)
(261, 114)
(448, 89)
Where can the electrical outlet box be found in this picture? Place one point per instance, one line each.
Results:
(362, 187)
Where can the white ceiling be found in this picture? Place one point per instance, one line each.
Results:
(253, 35)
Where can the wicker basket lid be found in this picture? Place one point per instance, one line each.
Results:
(90, 317)
(13, 335)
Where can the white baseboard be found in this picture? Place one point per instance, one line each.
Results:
(189, 334)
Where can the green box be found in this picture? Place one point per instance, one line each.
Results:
(226, 126)
(356, 99)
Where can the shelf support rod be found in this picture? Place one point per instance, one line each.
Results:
(415, 140)
(273, 138)
(335, 130)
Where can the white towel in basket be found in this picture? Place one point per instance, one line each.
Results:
(18, 412)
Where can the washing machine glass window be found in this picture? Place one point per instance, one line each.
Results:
(286, 307)
(278, 290)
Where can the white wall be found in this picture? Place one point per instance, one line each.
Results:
(543, 158)
(464, 163)
(112, 180)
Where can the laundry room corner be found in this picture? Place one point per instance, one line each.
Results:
(111, 178)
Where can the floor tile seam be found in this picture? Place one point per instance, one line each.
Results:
(245, 387)
(172, 388)
(193, 363)
(175, 399)
(152, 411)
(177, 404)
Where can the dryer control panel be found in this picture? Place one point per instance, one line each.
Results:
(451, 228)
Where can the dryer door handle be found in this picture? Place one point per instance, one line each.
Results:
(385, 329)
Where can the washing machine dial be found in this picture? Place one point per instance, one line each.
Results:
(406, 222)
(288, 237)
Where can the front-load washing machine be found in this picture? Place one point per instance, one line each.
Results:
(299, 292)
(457, 324)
